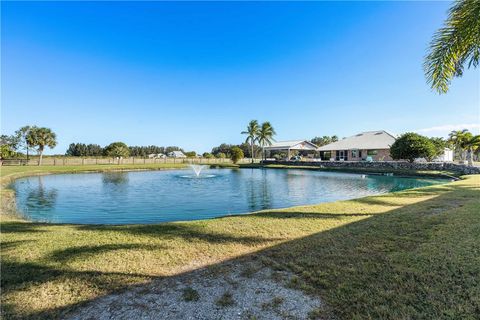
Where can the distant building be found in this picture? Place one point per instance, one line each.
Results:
(176, 154)
(374, 145)
(156, 155)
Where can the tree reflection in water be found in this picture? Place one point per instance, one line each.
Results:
(41, 198)
(115, 178)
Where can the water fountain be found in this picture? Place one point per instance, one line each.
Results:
(197, 168)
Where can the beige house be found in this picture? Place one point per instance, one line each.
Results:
(374, 145)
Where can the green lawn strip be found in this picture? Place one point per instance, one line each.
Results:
(370, 257)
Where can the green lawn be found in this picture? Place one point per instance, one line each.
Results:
(406, 255)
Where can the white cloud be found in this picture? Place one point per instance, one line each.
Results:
(444, 130)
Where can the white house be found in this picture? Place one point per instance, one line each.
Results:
(176, 154)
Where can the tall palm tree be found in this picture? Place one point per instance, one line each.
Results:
(252, 135)
(41, 138)
(459, 140)
(265, 135)
(454, 45)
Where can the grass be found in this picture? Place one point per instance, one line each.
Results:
(190, 294)
(405, 255)
(226, 300)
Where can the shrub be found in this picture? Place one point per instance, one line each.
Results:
(236, 154)
(411, 146)
(191, 154)
(207, 155)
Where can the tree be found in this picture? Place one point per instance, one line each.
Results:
(6, 151)
(265, 135)
(236, 154)
(252, 133)
(322, 141)
(221, 155)
(459, 140)
(223, 148)
(21, 135)
(411, 146)
(439, 145)
(207, 155)
(117, 150)
(40, 138)
(472, 145)
(454, 46)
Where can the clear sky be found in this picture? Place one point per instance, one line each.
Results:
(194, 74)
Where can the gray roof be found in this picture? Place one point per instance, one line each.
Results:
(365, 140)
(292, 144)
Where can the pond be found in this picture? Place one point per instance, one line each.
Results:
(177, 195)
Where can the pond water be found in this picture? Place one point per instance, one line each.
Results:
(176, 195)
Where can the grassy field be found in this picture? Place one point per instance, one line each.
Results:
(406, 255)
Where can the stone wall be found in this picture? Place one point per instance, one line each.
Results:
(385, 165)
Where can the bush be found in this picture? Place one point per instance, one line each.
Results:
(411, 146)
(191, 154)
(207, 155)
(221, 155)
(236, 154)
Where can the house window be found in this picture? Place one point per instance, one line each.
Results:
(372, 152)
(354, 153)
(359, 153)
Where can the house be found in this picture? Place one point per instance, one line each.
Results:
(291, 145)
(374, 145)
(156, 156)
(176, 154)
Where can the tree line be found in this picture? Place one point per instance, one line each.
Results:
(95, 150)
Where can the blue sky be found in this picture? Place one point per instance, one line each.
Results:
(194, 74)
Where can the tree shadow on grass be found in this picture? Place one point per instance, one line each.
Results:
(83, 252)
(390, 265)
(180, 230)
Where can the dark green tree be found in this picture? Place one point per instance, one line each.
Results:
(410, 146)
(117, 150)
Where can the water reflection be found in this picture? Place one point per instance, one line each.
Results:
(41, 198)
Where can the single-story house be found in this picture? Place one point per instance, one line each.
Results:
(176, 154)
(373, 145)
(292, 145)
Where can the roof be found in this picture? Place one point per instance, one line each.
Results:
(365, 140)
(177, 153)
(292, 145)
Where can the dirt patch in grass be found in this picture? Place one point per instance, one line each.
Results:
(207, 294)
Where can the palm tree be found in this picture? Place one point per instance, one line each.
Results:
(459, 140)
(472, 145)
(252, 134)
(265, 135)
(41, 138)
(454, 45)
